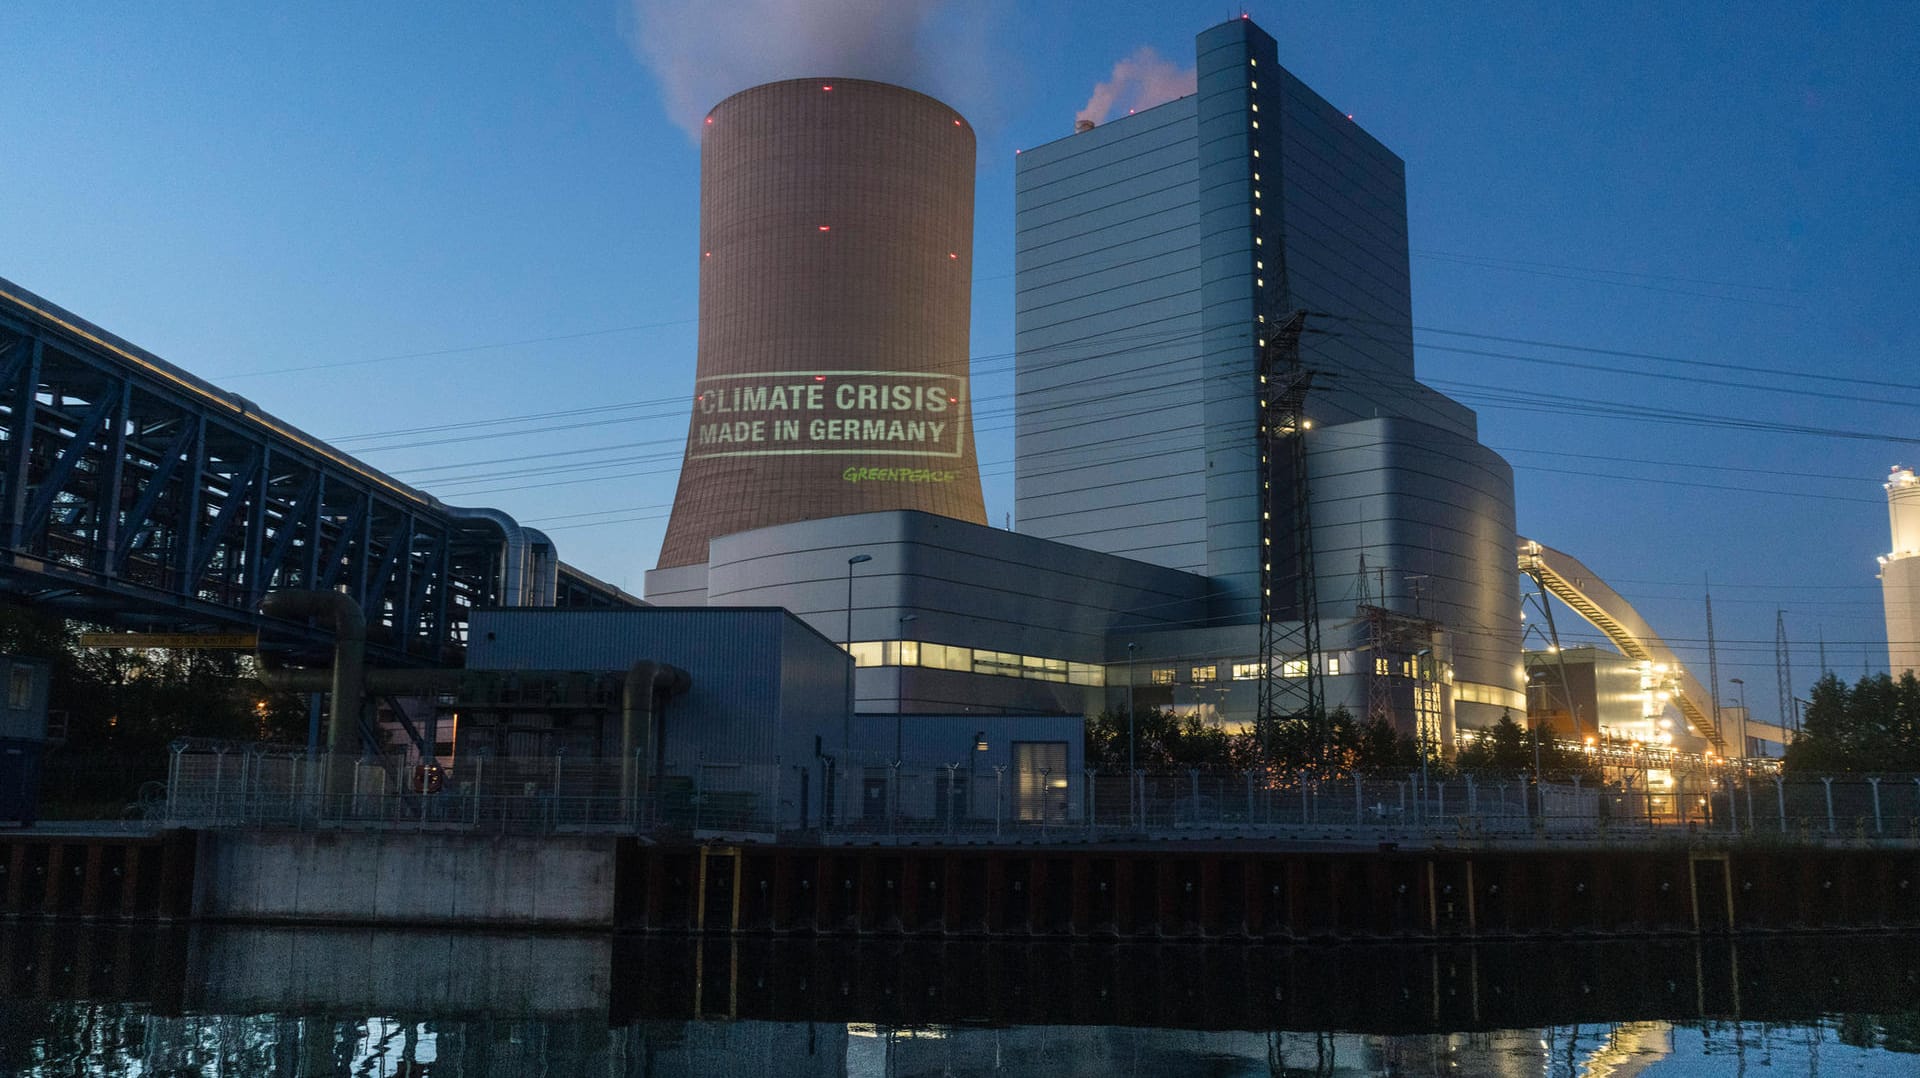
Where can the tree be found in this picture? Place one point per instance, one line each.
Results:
(124, 707)
(1874, 726)
(1380, 748)
(1164, 740)
(1507, 748)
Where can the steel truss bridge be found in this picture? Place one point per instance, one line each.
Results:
(135, 494)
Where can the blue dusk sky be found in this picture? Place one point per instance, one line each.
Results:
(1666, 251)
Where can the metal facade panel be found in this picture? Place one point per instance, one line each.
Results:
(962, 583)
(732, 713)
(1422, 504)
(1109, 421)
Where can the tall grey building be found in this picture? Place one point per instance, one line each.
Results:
(1152, 254)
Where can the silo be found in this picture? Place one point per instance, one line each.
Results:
(836, 260)
(1900, 572)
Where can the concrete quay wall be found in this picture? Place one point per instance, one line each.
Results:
(401, 878)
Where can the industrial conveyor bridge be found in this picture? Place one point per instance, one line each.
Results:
(1581, 589)
(135, 494)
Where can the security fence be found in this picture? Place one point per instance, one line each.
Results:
(222, 786)
(246, 787)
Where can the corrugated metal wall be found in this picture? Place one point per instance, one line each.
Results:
(762, 682)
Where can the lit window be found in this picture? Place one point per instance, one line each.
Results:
(1255, 85)
(1256, 125)
(907, 653)
(1038, 669)
(866, 652)
(1333, 666)
(1086, 674)
(1380, 666)
(945, 657)
(1255, 108)
(1249, 671)
(1002, 663)
(20, 688)
(1256, 153)
(1293, 668)
(1203, 673)
(1163, 677)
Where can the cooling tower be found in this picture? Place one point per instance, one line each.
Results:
(836, 244)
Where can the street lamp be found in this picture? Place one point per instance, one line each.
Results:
(857, 559)
(900, 668)
(846, 724)
(1129, 710)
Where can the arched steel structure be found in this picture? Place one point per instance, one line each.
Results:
(1566, 579)
(134, 493)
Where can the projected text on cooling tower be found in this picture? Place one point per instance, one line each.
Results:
(787, 413)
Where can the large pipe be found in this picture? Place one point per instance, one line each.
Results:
(513, 553)
(543, 568)
(646, 680)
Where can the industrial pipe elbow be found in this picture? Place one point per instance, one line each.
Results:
(514, 554)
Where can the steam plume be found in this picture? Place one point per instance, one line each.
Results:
(702, 51)
(1140, 81)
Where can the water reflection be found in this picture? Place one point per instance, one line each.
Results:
(85, 1000)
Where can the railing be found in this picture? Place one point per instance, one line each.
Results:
(243, 787)
(219, 786)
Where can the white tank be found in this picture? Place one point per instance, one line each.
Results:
(1900, 572)
(1903, 506)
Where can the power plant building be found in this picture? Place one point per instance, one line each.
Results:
(1153, 255)
(1148, 252)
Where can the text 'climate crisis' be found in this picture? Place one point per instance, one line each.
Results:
(815, 397)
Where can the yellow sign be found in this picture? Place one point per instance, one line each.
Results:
(168, 640)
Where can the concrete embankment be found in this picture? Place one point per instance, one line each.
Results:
(1221, 891)
(406, 878)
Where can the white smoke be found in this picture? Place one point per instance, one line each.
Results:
(1140, 81)
(702, 51)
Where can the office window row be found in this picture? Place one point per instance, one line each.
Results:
(974, 661)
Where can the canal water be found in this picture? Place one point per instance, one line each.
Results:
(247, 1001)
